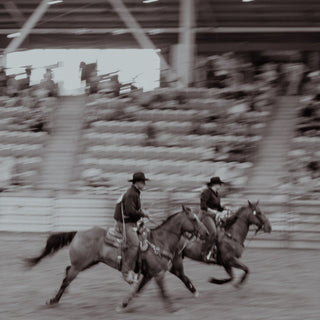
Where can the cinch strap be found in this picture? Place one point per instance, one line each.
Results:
(160, 252)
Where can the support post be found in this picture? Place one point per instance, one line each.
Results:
(139, 34)
(185, 50)
(27, 27)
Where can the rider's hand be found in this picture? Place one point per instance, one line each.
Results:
(146, 214)
(226, 212)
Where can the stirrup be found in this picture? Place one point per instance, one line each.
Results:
(131, 277)
(209, 258)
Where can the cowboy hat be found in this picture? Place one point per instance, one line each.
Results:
(215, 180)
(138, 176)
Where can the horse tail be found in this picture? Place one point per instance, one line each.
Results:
(55, 242)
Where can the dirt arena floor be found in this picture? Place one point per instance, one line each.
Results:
(283, 285)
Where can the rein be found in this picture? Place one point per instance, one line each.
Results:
(255, 233)
(229, 235)
(157, 250)
(145, 244)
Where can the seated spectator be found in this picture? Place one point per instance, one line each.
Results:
(48, 84)
(12, 86)
(115, 84)
(3, 82)
(151, 135)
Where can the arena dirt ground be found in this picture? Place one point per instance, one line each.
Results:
(283, 285)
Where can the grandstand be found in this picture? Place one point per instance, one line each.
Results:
(24, 131)
(191, 140)
(303, 159)
(65, 161)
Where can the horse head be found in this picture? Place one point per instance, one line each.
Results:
(257, 218)
(192, 223)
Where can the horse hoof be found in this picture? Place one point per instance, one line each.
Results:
(51, 302)
(196, 294)
(120, 308)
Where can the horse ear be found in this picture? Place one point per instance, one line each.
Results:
(184, 208)
(250, 204)
(257, 203)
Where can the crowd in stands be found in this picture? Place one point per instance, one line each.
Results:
(10, 86)
(231, 70)
(176, 134)
(304, 158)
(25, 122)
(107, 84)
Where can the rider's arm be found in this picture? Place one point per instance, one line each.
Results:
(204, 200)
(130, 205)
(218, 204)
(212, 211)
(219, 208)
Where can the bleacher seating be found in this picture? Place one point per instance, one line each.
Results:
(23, 134)
(304, 158)
(197, 133)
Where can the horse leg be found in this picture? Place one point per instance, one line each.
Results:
(239, 265)
(138, 288)
(71, 273)
(228, 269)
(160, 282)
(178, 270)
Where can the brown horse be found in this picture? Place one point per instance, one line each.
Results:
(230, 244)
(157, 252)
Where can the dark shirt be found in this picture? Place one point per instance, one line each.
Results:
(131, 206)
(210, 199)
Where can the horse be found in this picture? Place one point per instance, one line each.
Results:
(156, 252)
(230, 245)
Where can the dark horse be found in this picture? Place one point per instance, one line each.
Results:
(230, 245)
(156, 252)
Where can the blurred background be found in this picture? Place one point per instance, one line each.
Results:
(92, 91)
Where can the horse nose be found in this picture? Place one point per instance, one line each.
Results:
(267, 228)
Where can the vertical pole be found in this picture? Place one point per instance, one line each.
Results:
(186, 47)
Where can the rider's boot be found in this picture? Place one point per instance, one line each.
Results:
(214, 254)
(209, 253)
(131, 277)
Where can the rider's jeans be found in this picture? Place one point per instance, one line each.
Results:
(130, 253)
(210, 225)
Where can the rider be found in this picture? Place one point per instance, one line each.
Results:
(127, 212)
(209, 205)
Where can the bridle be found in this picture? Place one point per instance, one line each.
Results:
(254, 212)
(158, 251)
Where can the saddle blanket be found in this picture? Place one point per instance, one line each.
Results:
(113, 237)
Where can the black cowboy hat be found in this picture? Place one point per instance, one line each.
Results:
(138, 176)
(215, 180)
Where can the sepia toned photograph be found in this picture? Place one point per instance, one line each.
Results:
(159, 159)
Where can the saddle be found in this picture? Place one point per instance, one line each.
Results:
(113, 237)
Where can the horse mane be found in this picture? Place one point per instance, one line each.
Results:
(164, 221)
(232, 220)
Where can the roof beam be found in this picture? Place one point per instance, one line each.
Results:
(15, 13)
(28, 26)
(139, 34)
(167, 30)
